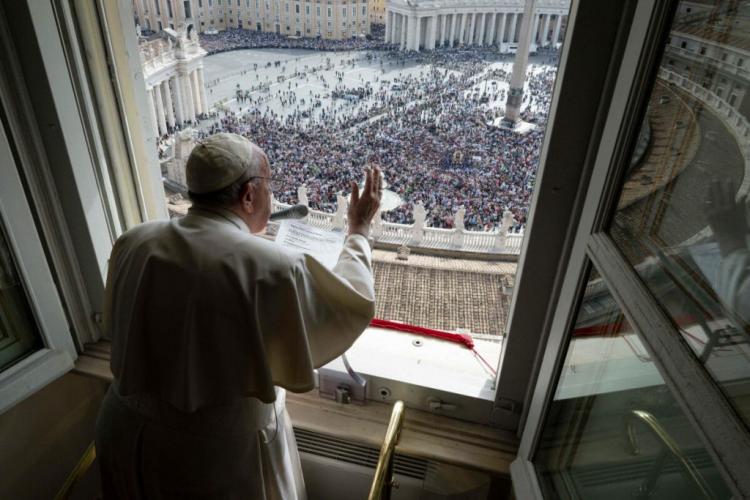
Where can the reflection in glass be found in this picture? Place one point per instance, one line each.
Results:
(681, 218)
(613, 429)
(18, 332)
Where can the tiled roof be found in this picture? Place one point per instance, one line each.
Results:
(443, 293)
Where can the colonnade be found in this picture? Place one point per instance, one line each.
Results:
(418, 31)
(177, 99)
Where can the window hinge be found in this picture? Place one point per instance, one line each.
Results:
(507, 413)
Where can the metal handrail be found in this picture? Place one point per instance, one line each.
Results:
(670, 445)
(80, 470)
(383, 480)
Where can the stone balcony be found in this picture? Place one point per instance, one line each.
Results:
(500, 244)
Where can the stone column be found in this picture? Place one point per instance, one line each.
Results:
(491, 32)
(152, 110)
(196, 92)
(442, 31)
(202, 89)
(187, 95)
(404, 29)
(545, 33)
(388, 26)
(556, 35)
(139, 12)
(461, 29)
(168, 102)
(453, 30)
(518, 77)
(417, 33)
(160, 110)
(501, 35)
(164, 14)
(179, 12)
(481, 29)
(472, 26)
(179, 109)
(433, 33)
(535, 32)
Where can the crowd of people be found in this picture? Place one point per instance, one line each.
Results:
(432, 134)
(233, 39)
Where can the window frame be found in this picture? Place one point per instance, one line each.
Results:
(114, 19)
(58, 355)
(719, 428)
(70, 205)
(565, 168)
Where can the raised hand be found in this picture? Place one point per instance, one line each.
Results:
(363, 206)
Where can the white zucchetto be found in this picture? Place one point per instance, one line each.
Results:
(218, 161)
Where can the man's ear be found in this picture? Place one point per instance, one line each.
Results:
(247, 198)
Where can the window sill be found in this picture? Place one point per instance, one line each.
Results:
(423, 371)
(31, 374)
(425, 435)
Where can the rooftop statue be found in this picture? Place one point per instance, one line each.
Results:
(302, 195)
(420, 215)
(459, 222)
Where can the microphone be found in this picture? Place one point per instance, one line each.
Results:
(293, 212)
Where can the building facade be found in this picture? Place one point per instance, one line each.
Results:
(330, 19)
(713, 60)
(377, 11)
(173, 73)
(452, 23)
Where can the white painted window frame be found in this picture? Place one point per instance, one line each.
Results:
(62, 234)
(59, 353)
(720, 429)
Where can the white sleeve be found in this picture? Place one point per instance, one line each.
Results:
(314, 314)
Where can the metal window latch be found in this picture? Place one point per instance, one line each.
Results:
(345, 388)
(436, 404)
(343, 394)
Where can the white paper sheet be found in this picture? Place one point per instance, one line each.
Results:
(324, 246)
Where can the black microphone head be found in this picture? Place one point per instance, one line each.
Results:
(293, 212)
(300, 211)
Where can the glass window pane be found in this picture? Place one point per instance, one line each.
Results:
(681, 219)
(19, 335)
(612, 420)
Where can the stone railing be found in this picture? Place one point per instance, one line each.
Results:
(732, 119)
(500, 243)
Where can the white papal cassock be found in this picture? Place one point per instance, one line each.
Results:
(209, 324)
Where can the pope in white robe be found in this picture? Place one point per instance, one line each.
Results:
(210, 325)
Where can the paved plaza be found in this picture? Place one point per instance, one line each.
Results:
(318, 73)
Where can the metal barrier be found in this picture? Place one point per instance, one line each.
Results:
(80, 470)
(669, 446)
(383, 480)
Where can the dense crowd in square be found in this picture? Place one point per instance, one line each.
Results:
(431, 133)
